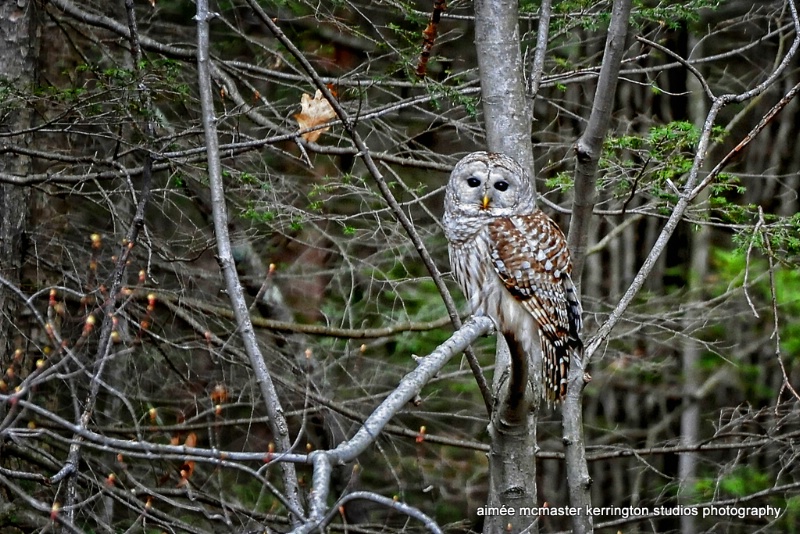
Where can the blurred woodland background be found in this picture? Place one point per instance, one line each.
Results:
(690, 400)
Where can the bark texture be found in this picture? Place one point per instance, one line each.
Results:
(16, 71)
(507, 116)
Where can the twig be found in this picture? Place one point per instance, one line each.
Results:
(691, 68)
(634, 185)
(614, 233)
(776, 334)
(385, 501)
(759, 224)
(39, 506)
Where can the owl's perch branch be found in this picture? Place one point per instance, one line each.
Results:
(411, 384)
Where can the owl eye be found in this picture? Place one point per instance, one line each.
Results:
(473, 182)
(501, 186)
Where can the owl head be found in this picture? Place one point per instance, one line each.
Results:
(487, 184)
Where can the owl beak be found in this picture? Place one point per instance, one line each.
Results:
(485, 201)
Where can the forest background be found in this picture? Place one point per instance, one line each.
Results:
(154, 156)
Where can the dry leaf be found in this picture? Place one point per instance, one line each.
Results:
(219, 394)
(313, 112)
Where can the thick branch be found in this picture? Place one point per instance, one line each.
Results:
(590, 144)
(409, 387)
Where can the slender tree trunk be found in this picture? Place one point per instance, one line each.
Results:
(699, 246)
(16, 69)
(590, 144)
(588, 150)
(512, 468)
(690, 357)
(512, 465)
(507, 114)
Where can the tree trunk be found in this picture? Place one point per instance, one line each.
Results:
(588, 149)
(16, 69)
(507, 115)
(692, 349)
(512, 468)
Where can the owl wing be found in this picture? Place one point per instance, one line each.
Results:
(530, 256)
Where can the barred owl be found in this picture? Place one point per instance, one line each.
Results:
(512, 263)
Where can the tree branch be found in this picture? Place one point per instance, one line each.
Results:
(542, 36)
(277, 421)
(588, 150)
(407, 389)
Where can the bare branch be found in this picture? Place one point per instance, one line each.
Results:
(542, 34)
(271, 400)
(406, 390)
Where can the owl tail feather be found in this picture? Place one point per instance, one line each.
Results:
(555, 364)
(555, 367)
